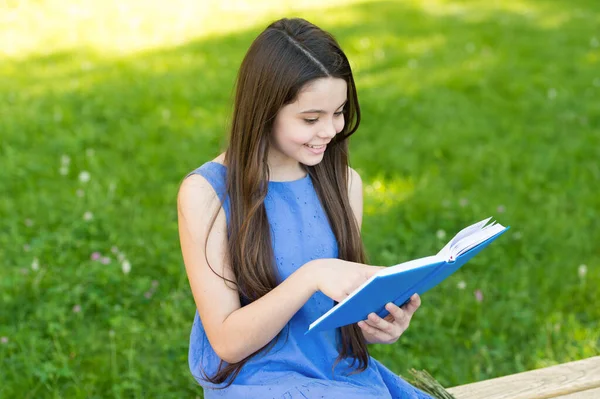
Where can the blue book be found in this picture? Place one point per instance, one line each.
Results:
(398, 283)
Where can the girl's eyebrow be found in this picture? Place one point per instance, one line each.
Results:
(320, 111)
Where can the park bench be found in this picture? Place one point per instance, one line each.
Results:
(574, 380)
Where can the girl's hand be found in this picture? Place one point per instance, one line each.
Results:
(338, 278)
(387, 330)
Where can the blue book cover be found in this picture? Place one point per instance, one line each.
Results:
(398, 283)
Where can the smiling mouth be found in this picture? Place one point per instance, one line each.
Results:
(316, 147)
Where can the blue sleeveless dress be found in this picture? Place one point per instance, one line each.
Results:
(299, 367)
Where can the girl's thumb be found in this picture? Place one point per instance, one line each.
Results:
(375, 269)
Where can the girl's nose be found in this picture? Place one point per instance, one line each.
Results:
(328, 131)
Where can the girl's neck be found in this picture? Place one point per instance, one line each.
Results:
(284, 168)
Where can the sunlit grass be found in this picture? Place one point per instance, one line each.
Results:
(116, 28)
(469, 109)
(125, 27)
(381, 195)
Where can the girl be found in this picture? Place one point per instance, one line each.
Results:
(270, 234)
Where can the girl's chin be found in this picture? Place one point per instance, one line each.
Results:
(311, 158)
(305, 156)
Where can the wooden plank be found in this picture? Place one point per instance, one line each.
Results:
(549, 382)
(587, 394)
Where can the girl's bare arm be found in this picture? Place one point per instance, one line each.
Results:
(233, 331)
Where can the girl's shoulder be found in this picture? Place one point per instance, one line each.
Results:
(210, 169)
(206, 180)
(220, 159)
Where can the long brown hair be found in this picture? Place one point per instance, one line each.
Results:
(287, 55)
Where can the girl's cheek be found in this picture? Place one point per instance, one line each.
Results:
(303, 135)
(340, 125)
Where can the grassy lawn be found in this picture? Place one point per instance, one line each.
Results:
(470, 109)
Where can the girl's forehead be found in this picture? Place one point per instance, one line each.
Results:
(323, 94)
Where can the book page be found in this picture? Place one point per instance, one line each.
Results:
(470, 230)
(474, 239)
(412, 264)
(461, 234)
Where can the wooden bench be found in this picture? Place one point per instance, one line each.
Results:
(574, 380)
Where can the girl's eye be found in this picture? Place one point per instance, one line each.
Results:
(311, 121)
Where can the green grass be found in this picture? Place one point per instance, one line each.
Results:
(470, 109)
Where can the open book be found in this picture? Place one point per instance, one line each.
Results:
(398, 283)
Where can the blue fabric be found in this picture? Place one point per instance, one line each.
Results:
(299, 367)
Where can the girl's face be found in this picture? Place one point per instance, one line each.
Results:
(311, 121)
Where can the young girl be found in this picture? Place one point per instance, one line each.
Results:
(270, 234)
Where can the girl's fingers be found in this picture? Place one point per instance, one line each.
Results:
(401, 316)
(395, 323)
(373, 331)
(381, 324)
(413, 305)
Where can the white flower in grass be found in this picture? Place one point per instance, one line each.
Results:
(76, 308)
(88, 216)
(114, 249)
(440, 234)
(501, 209)
(126, 266)
(105, 260)
(80, 193)
(84, 176)
(4, 340)
(463, 202)
(26, 248)
(582, 271)
(89, 152)
(65, 160)
(35, 265)
(28, 222)
(64, 170)
(461, 285)
(111, 333)
(517, 235)
(121, 256)
(551, 93)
